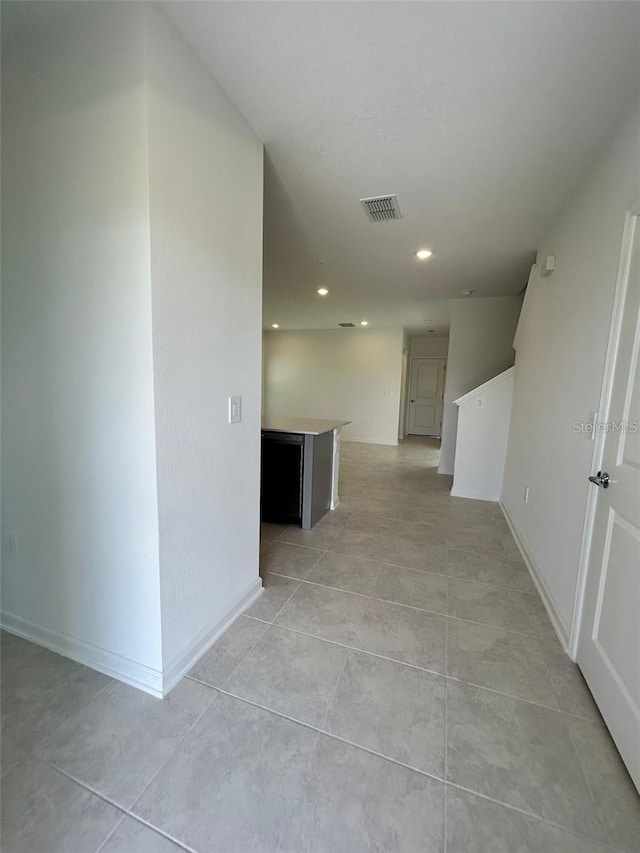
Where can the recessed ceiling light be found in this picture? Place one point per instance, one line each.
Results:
(467, 292)
(364, 322)
(423, 254)
(275, 326)
(322, 291)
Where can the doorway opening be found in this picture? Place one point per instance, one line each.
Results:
(425, 396)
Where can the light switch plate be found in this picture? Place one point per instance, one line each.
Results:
(235, 410)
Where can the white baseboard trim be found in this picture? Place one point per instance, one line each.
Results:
(458, 494)
(539, 581)
(370, 441)
(138, 675)
(207, 637)
(131, 672)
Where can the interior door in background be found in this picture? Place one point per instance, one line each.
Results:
(609, 640)
(426, 390)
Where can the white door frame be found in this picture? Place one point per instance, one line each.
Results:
(413, 359)
(404, 394)
(601, 415)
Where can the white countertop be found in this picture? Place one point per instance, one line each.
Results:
(301, 426)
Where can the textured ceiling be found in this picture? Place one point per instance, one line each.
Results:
(482, 117)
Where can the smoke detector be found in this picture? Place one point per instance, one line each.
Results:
(381, 208)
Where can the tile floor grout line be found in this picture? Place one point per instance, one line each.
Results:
(110, 835)
(553, 676)
(310, 547)
(517, 698)
(255, 619)
(320, 730)
(127, 811)
(450, 577)
(368, 595)
(285, 603)
(416, 666)
(294, 545)
(410, 767)
(327, 733)
(281, 541)
(181, 844)
(359, 650)
(499, 628)
(242, 658)
(432, 612)
(181, 740)
(419, 572)
(85, 785)
(500, 558)
(334, 690)
(599, 811)
(443, 674)
(535, 817)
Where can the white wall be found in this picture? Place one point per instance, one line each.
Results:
(205, 175)
(353, 374)
(79, 478)
(480, 346)
(427, 346)
(481, 443)
(559, 367)
(132, 255)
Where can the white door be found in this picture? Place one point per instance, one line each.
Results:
(426, 388)
(609, 640)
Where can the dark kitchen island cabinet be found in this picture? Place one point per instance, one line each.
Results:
(299, 472)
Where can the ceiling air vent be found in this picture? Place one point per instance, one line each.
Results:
(347, 325)
(381, 208)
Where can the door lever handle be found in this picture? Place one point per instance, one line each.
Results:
(601, 479)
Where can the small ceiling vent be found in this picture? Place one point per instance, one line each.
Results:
(382, 208)
(347, 325)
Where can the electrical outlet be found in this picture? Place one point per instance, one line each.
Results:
(235, 410)
(526, 494)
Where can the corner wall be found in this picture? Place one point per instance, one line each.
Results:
(562, 343)
(480, 347)
(78, 447)
(205, 178)
(131, 272)
(353, 374)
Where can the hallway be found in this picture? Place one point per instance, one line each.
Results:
(403, 632)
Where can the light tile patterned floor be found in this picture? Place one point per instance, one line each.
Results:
(397, 687)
